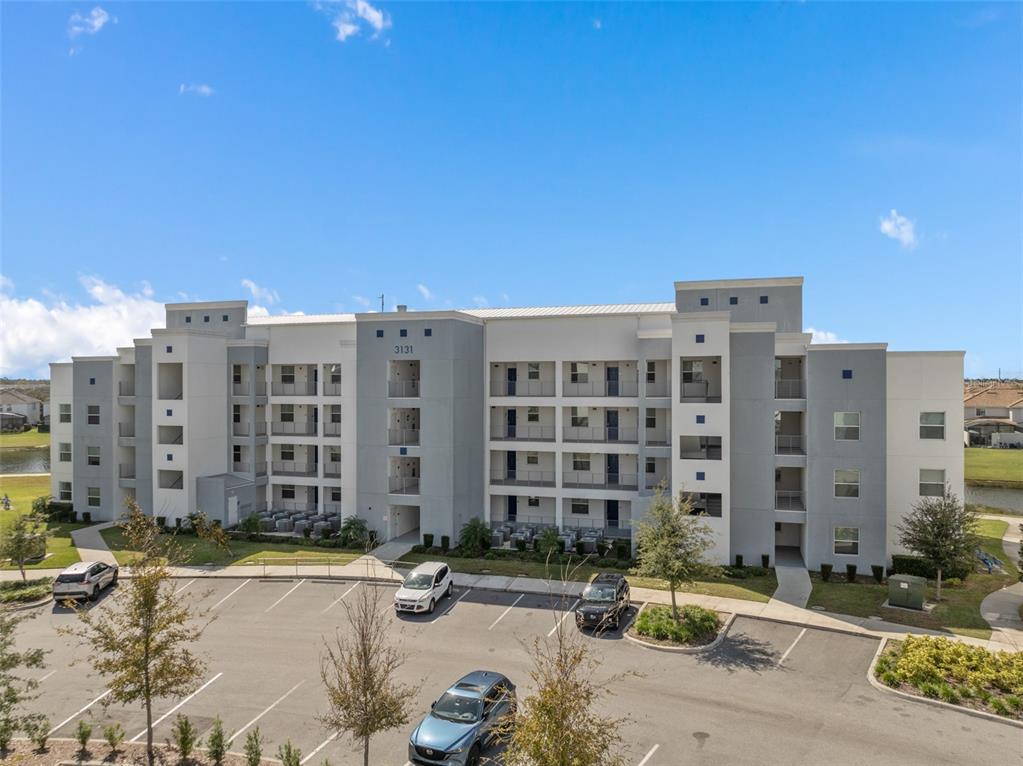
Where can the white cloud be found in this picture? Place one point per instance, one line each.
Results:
(480, 301)
(350, 17)
(34, 333)
(199, 89)
(823, 336)
(89, 24)
(262, 294)
(899, 228)
(425, 292)
(6, 285)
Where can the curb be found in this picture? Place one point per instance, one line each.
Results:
(927, 700)
(17, 607)
(682, 649)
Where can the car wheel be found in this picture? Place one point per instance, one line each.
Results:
(447, 593)
(474, 756)
(432, 605)
(114, 581)
(94, 594)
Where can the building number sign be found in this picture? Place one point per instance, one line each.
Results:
(403, 349)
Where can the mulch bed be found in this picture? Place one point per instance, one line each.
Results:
(23, 753)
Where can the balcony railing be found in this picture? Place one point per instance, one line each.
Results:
(586, 479)
(293, 427)
(609, 528)
(259, 469)
(784, 444)
(298, 388)
(658, 388)
(699, 391)
(403, 389)
(600, 434)
(523, 433)
(403, 485)
(658, 437)
(332, 469)
(127, 471)
(789, 500)
(403, 436)
(125, 429)
(293, 505)
(788, 388)
(655, 480)
(708, 453)
(522, 478)
(170, 396)
(245, 389)
(331, 429)
(126, 388)
(332, 389)
(522, 388)
(249, 429)
(332, 508)
(602, 388)
(293, 468)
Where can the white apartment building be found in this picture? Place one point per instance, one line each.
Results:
(566, 416)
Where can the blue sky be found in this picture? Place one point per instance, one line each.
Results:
(511, 154)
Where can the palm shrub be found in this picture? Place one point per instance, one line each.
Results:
(547, 542)
(354, 533)
(474, 537)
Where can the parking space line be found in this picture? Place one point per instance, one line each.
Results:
(225, 598)
(338, 601)
(183, 587)
(75, 715)
(521, 596)
(278, 701)
(275, 603)
(649, 755)
(563, 618)
(46, 676)
(175, 709)
(465, 593)
(319, 747)
(791, 647)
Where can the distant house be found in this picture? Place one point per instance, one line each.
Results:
(997, 408)
(20, 403)
(12, 421)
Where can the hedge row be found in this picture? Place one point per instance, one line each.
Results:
(915, 565)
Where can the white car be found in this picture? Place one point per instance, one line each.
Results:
(84, 580)
(424, 586)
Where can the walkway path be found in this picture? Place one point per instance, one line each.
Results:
(91, 545)
(793, 580)
(1001, 609)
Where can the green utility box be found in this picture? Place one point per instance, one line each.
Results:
(907, 591)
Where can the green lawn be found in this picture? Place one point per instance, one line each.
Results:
(23, 490)
(958, 612)
(751, 589)
(25, 439)
(242, 551)
(994, 467)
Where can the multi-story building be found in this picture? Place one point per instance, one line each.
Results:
(571, 417)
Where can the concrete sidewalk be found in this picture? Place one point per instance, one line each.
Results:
(91, 545)
(1001, 609)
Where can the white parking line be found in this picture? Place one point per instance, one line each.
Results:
(319, 747)
(465, 593)
(340, 598)
(183, 587)
(521, 595)
(649, 755)
(46, 676)
(225, 598)
(563, 618)
(175, 709)
(72, 717)
(278, 701)
(791, 647)
(275, 603)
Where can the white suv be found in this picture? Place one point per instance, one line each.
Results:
(84, 580)
(423, 588)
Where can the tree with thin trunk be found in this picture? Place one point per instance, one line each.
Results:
(23, 540)
(142, 644)
(16, 691)
(1020, 557)
(359, 672)
(672, 544)
(943, 531)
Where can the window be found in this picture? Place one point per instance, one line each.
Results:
(763, 299)
(170, 413)
(64, 491)
(188, 320)
(223, 318)
(533, 371)
(334, 456)
(288, 491)
(64, 448)
(651, 417)
(692, 370)
(287, 373)
(237, 453)
(335, 413)
(651, 372)
(428, 332)
(236, 413)
(380, 333)
(170, 457)
(700, 475)
(932, 425)
(651, 465)
(846, 374)
(335, 494)
(580, 506)
(170, 349)
(580, 417)
(847, 426)
(236, 374)
(847, 482)
(335, 373)
(206, 318)
(533, 502)
(847, 541)
(287, 452)
(701, 419)
(65, 413)
(532, 414)
(699, 338)
(580, 461)
(733, 301)
(93, 498)
(579, 372)
(92, 413)
(704, 301)
(932, 482)
(981, 413)
(700, 447)
(92, 455)
(403, 332)
(92, 381)
(287, 413)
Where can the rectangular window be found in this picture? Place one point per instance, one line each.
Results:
(428, 332)
(532, 458)
(580, 417)
(701, 419)
(64, 448)
(651, 465)
(188, 320)
(580, 461)
(287, 413)
(92, 413)
(692, 370)
(92, 455)
(580, 506)
(700, 475)
(763, 299)
(847, 541)
(287, 373)
(846, 374)
(700, 338)
(170, 349)
(335, 413)
(65, 413)
(288, 491)
(700, 447)
(92, 381)
(847, 482)
(237, 453)
(380, 333)
(170, 413)
(932, 482)
(335, 494)
(704, 301)
(288, 452)
(533, 371)
(236, 374)
(403, 333)
(651, 372)
(93, 499)
(335, 373)
(579, 372)
(981, 413)
(847, 426)
(206, 318)
(223, 318)
(64, 491)
(733, 301)
(651, 417)
(533, 502)
(932, 425)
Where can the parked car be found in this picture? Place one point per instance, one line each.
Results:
(424, 586)
(464, 722)
(84, 580)
(604, 602)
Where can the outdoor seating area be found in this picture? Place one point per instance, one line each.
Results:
(295, 523)
(595, 540)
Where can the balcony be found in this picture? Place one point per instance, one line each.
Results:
(293, 428)
(126, 429)
(293, 505)
(533, 433)
(658, 480)
(602, 388)
(331, 429)
(293, 468)
(789, 500)
(249, 429)
(699, 392)
(789, 388)
(126, 471)
(602, 434)
(332, 389)
(332, 509)
(403, 485)
(126, 388)
(658, 437)
(294, 388)
(517, 478)
(332, 468)
(259, 469)
(247, 389)
(590, 480)
(700, 448)
(403, 389)
(403, 437)
(522, 388)
(658, 388)
(785, 444)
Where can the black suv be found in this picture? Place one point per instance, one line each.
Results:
(604, 602)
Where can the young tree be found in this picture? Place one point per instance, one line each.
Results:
(15, 691)
(358, 671)
(23, 540)
(1020, 557)
(142, 644)
(943, 531)
(672, 542)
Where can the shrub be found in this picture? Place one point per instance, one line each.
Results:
(161, 522)
(86, 517)
(249, 524)
(921, 567)
(850, 573)
(307, 531)
(6, 733)
(39, 733)
(952, 582)
(355, 533)
(696, 625)
(999, 706)
(826, 572)
(889, 678)
(580, 547)
(216, 743)
(738, 560)
(289, 755)
(490, 556)
(1015, 702)
(878, 571)
(606, 563)
(765, 560)
(114, 736)
(428, 539)
(83, 734)
(445, 543)
(473, 538)
(253, 748)
(520, 544)
(948, 694)
(622, 549)
(758, 571)
(735, 573)
(547, 543)
(184, 736)
(561, 545)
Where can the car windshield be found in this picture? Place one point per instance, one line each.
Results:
(71, 578)
(419, 581)
(455, 707)
(602, 593)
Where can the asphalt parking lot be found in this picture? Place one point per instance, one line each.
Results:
(768, 694)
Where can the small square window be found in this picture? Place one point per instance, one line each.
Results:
(403, 332)
(170, 349)
(380, 333)
(699, 339)
(704, 301)
(533, 502)
(846, 374)
(188, 320)
(700, 475)
(763, 299)
(428, 332)
(170, 456)
(170, 413)
(206, 318)
(701, 418)
(92, 381)
(733, 301)
(223, 318)
(403, 450)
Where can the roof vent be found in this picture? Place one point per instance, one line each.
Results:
(402, 307)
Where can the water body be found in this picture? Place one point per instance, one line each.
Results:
(996, 497)
(25, 460)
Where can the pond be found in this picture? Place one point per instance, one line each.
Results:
(25, 460)
(996, 497)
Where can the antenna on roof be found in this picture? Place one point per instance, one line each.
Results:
(381, 303)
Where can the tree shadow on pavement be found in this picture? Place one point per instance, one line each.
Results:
(740, 652)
